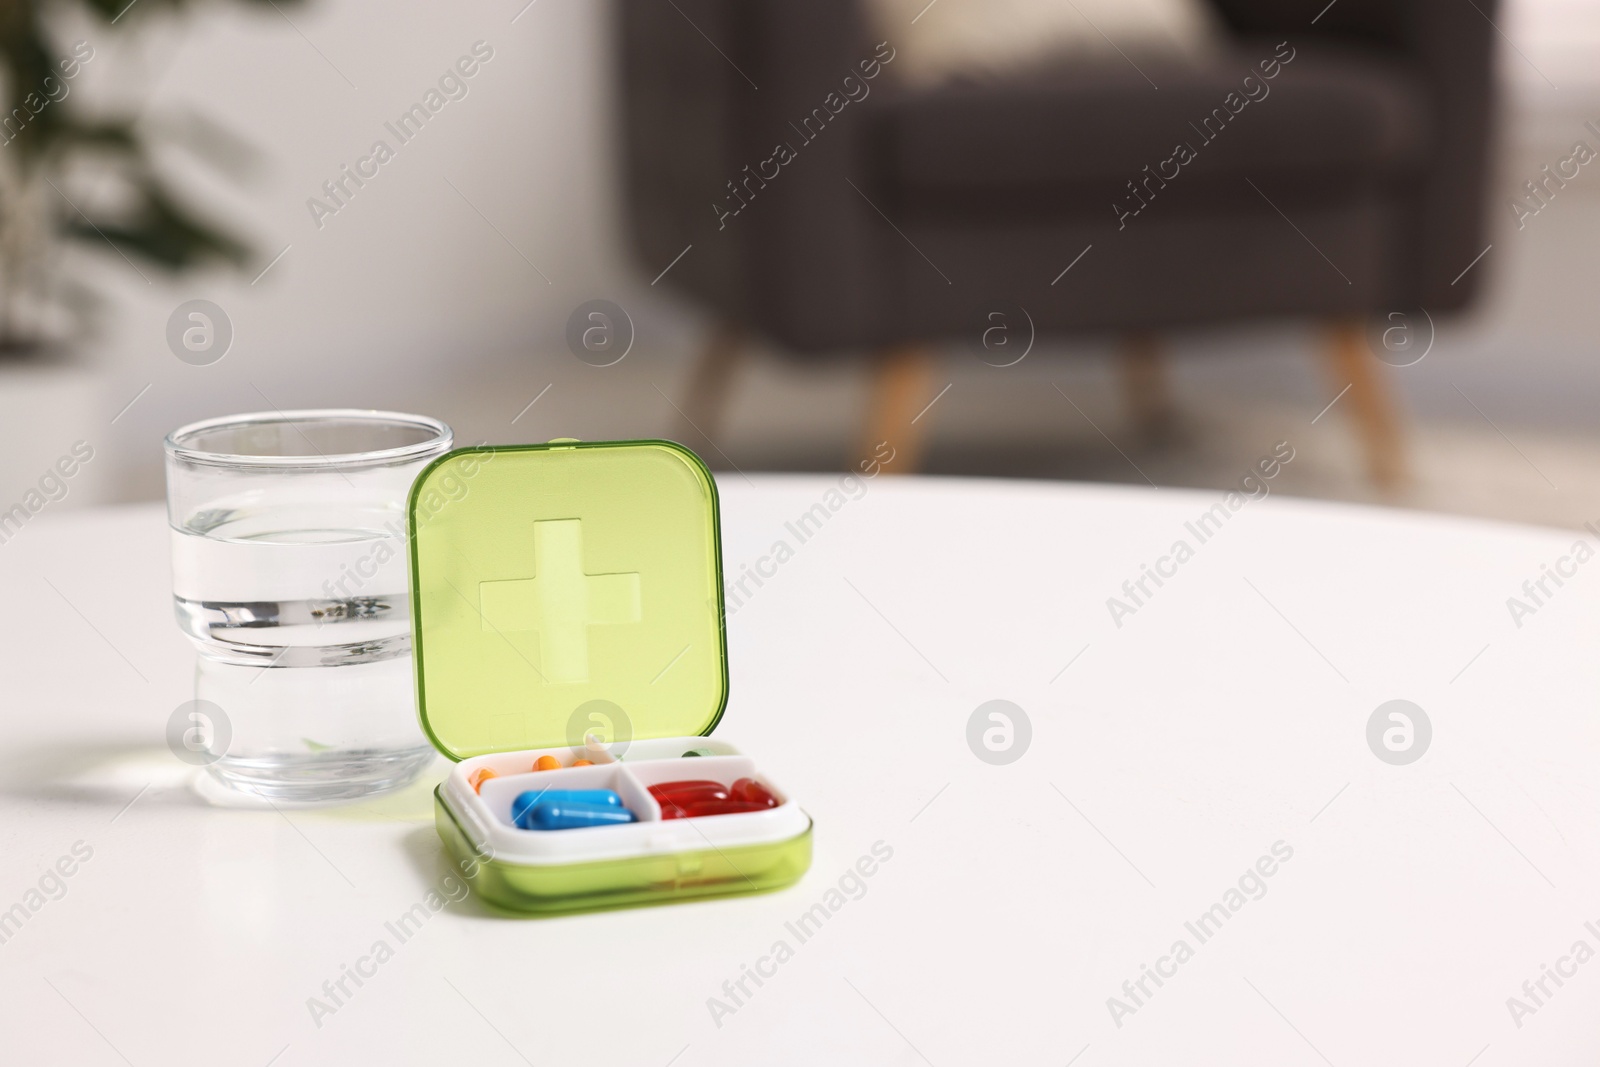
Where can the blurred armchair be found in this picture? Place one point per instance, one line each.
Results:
(1350, 181)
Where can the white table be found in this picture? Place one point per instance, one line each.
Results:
(1227, 714)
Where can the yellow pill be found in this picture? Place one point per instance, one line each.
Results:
(546, 763)
(583, 763)
(478, 777)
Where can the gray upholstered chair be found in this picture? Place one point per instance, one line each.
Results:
(1351, 183)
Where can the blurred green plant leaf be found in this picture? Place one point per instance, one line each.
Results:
(160, 230)
(42, 124)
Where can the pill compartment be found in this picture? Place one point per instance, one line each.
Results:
(497, 794)
(723, 769)
(652, 859)
(570, 588)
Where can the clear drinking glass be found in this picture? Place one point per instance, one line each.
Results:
(290, 574)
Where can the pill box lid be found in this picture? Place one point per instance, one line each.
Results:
(563, 589)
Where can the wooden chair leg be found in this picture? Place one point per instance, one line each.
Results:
(710, 382)
(1374, 411)
(899, 415)
(1144, 384)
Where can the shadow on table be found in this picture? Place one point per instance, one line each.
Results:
(95, 776)
(434, 867)
(113, 777)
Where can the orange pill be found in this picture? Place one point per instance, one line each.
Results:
(546, 763)
(583, 763)
(478, 777)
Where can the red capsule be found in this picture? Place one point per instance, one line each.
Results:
(688, 791)
(701, 809)
(748, 789)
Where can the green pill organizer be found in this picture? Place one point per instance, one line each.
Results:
(568, 593)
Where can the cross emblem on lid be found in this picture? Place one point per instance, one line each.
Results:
(560, 602)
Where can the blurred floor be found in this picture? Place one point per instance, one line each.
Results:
(1019, 423)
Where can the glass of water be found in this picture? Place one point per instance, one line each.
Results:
(290, 566)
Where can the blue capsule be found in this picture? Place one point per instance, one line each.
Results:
(599, 797)
(569, 815)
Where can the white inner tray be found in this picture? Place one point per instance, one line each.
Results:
(486, 816)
